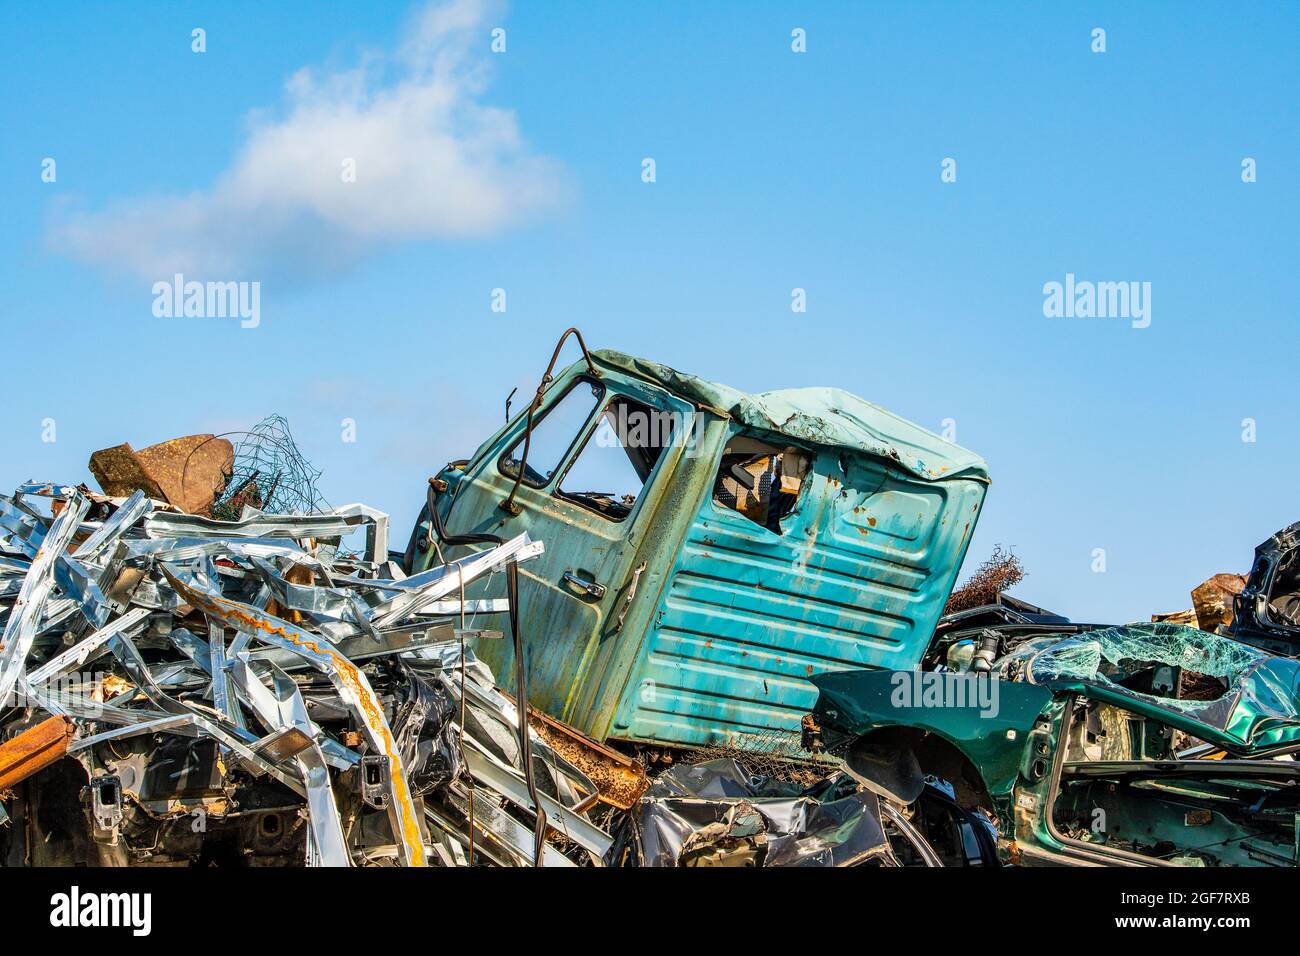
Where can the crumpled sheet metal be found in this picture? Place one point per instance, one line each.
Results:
(140, 578)
(491, 755)
(75, 580)
(25, 615)
(348, 679)
(715, 814)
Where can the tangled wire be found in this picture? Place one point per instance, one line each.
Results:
(269, 474)
(768, 753)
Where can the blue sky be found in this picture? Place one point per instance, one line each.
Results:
(774, 170)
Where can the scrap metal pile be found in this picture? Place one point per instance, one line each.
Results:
(235, 686)
(249, 688)
(188, 678)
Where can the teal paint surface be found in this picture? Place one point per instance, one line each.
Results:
(729, 620)
(858, 579)
(995, 744)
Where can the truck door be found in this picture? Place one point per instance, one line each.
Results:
(601, 449)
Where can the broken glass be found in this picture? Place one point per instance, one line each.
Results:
(1258, 689)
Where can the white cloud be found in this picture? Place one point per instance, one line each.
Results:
(432, 162)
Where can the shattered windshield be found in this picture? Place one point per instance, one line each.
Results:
(1116, 653)
(1158, 662)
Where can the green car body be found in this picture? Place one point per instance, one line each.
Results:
(1010, 740)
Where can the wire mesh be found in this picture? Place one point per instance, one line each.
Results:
(270, 473)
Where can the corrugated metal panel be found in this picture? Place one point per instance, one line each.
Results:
(857, 579)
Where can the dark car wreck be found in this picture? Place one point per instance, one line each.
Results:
(1087, 747)
(1267, 611)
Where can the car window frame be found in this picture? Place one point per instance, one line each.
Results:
(591, 428)
(567, 456)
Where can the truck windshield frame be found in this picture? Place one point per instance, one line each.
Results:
(656, 424)
(507, 463)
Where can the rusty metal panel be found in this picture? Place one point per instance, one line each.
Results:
(186, 472)
(619, 780)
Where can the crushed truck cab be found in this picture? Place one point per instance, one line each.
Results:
(707, 551)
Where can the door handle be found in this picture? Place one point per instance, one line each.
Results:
(589, 588)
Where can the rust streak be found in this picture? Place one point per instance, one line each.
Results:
(348, 674)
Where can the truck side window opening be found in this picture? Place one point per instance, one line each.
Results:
(760, 481)
(612, 468)
(553, 434)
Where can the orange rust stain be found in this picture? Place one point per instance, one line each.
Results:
(352, 678)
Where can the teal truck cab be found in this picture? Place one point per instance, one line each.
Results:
(707, 551)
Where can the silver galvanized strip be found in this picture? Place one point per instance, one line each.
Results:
(135, 508)
(510, 784)
(323, 812)
(81, 652)
(183, 724)
(26, 614)
(167, 525)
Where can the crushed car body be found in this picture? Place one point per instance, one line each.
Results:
(1266, 610)
(1086, 747)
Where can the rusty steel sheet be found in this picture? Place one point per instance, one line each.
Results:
(619, 780)
(1212, 600)
(34, 749)
(188, 473)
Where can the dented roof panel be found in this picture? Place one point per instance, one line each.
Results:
(823, 416)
